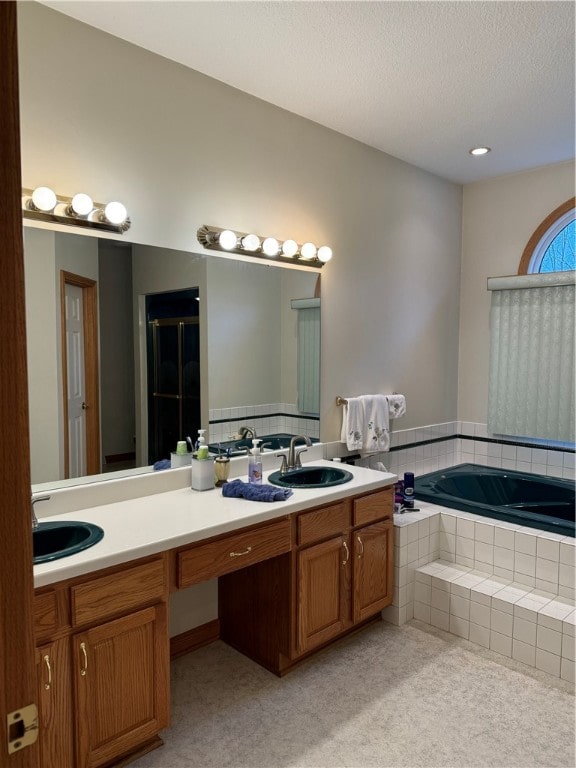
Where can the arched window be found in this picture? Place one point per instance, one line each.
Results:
(551, 247)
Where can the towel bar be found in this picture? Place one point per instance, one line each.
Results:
(342, 400)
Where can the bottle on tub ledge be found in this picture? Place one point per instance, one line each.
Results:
(202, 465)
(408, 493)
(255, 464)
(404, 494)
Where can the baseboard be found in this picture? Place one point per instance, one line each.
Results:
(194, 638)
(114, 458)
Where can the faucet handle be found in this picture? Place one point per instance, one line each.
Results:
(298, 462)
(34, 500)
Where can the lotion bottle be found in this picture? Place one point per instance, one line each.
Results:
(255, 464)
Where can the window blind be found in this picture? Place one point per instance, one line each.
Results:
(308, 354)
(531, 382)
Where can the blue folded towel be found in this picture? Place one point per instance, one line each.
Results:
(162, 464)
(237, 489)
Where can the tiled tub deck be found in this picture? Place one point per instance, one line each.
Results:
(505, 587)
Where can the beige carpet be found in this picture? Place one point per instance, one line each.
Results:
(387, 696)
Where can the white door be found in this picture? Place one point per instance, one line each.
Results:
(76, 381)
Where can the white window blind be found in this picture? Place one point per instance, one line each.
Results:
(308, 354)
(531, 385)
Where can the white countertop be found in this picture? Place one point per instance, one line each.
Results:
(146, 525)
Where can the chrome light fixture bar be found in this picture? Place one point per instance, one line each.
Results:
(268, 248)
(43, 204)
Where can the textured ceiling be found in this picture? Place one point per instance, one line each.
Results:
(423, 81)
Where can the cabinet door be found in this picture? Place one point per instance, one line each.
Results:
(122, 685)
(55, 704)
(323, 581)
(373, 552)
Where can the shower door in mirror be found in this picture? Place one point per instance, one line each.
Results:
(173, 371)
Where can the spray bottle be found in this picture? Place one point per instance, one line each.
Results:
(255, 464)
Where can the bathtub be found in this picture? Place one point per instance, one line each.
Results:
(536, 501)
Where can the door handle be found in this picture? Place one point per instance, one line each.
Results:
(84, 407)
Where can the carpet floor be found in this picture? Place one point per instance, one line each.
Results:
(385, 697)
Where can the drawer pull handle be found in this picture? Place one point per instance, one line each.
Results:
(239, 554)
(361, 552)
(345, 562)
(47, 662)
(85, 667)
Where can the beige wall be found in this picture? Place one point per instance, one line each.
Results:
(182, 150)
(47, 253)
(499, 217)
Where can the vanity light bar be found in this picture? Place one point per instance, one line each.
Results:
(43, 204)
(269, 248)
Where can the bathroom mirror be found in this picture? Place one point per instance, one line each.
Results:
(246, 334)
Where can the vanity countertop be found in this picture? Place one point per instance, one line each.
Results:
(146, 525)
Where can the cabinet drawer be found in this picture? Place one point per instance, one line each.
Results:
(322, 523)
(119, 592)
(229, 553)
(375, 506)
(46, 616)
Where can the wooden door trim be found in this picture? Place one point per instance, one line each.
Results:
(90, 319)
(17, 657)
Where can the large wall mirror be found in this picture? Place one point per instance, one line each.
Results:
(222, 340)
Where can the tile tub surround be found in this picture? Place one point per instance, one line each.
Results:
(438, 446)
(505, 587)
(268, 419)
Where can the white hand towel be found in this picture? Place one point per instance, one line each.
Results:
(376, 436)
(353, 424)
(396, 406)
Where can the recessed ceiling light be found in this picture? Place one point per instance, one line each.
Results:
(480, 151)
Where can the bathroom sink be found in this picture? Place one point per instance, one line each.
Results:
(54, 540)
(311, 477)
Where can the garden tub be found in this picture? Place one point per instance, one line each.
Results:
(536, 501)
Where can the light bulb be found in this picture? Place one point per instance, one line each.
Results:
(324, 253)
(308, 251)
(251, 242)
(227, 239)
(270, 246)
(115, 213)
(81, 204)
(289, 248)
(44, 199)
(477, 151)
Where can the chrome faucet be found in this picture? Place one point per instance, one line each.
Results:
(293, 454)
(34, 518)
(244, 431)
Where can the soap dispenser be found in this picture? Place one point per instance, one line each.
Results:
(201, 441)
(255, 464)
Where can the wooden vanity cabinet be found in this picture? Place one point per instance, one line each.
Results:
(121, 682)
(108, 665)
(337, 576)
(54, 675)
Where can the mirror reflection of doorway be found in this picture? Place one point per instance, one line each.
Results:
(173, 366)
(80, 375)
